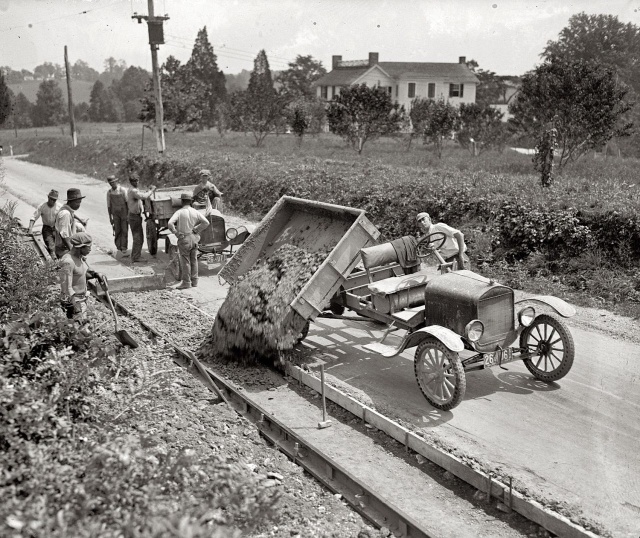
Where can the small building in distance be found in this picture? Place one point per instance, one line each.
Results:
(404, 81)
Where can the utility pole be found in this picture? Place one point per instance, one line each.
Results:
(156, 38)
(72, 121)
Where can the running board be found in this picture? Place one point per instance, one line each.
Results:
(383, 349)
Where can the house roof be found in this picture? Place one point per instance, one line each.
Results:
(454, 72)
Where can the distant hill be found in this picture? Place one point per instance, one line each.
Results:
(81, 89)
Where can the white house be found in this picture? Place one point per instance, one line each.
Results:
(404, 81)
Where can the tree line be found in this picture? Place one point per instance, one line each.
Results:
(579, 98)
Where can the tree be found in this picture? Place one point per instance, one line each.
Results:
(130, 91)
(113, 70)
(81, 71)
(203, 67)
(44, 71)
(6, 100)
(298, 80)
(360, 113)
(181, 97)
(22, 112)
(81, 112)
(604, 40)
(481, 128)
(261, 105)
(434, 121)
(50, 107)
(491, 88)
(304, 114)
(96, 100)
(585, 102)
(600, 39)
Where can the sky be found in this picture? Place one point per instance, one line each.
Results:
(504, 36)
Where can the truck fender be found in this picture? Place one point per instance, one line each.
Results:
(561, 307)
(444, 335)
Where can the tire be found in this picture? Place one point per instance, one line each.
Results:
(551, 340)
(336, 309)
(152, 237)
(440, 374)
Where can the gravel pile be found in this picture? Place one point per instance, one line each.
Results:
(255, 322)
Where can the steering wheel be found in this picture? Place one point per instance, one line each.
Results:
(429, 243)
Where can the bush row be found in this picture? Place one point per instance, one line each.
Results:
(393, 196)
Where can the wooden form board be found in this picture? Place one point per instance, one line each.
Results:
(529, 508)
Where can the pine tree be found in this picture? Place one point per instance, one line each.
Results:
(262, 106)
(95, 101)
(22, 112)
(203, 67)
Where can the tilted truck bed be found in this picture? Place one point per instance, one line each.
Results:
(315, 227)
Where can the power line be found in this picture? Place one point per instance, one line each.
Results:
(231, 55)
(233, 49)
(43, 21)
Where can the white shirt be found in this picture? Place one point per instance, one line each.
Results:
(47, 213)
(450, 246)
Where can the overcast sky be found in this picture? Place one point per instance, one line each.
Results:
(505, 36)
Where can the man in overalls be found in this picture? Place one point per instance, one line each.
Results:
(48, 211)
(118, 212)
(67, 223)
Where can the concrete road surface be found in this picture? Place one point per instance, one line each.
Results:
(576, 441)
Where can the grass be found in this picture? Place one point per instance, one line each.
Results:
(593, 185)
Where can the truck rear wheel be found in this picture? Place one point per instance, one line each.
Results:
(551, 342)
(440, 374)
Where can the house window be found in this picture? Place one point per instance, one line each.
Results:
(431, 90)
(323, 91)
(412, 89)
(390, 90)
(456, 90)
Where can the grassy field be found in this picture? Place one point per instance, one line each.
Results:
(494, 198)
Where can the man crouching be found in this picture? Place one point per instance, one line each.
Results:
(73, 274)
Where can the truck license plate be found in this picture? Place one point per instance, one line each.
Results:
(496, 358)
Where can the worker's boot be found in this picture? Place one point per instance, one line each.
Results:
(184, 285)
(194, 282)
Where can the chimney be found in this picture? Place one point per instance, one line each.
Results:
(373, 58)
(462, 60)
(335, 60)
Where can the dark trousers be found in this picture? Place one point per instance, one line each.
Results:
(120, 230)
(188, 251)
(49, 238)
(135, 223)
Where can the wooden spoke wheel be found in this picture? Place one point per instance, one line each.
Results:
(551, 342)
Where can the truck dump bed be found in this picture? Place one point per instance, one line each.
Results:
(315, 227)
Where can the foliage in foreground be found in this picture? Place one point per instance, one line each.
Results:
(69, 463)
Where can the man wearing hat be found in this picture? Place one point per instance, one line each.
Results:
(186, 224)
(73, 273)
(135, 205)
(48, 211)
(454, 247)
(206, 195)
(67, 223)
(118, 212)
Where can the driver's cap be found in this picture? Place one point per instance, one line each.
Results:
(422, 215)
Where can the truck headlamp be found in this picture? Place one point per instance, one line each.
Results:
(527, 315)
(232, 233)
(474, 330)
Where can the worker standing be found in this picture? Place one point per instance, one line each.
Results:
(73, 273)
(186, 224)
(68, 223)
(48, 211)
(135, 206)
(118, 214)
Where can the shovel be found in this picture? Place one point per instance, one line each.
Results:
(123, 336)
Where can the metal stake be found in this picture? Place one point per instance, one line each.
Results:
(325, 423)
